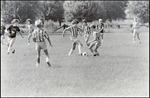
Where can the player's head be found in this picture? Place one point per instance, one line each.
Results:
(74, 22)
(100, 20)
(15, 22)
(84, 21)
(38, 23)
(28, 21)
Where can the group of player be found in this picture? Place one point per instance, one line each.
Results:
(38, 34)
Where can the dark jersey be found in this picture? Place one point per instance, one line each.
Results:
(12, 31)
(100, 26)
(3, 30)
(65, 26)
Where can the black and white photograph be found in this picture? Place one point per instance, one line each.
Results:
(78, 48)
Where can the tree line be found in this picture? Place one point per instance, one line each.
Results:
(68, 10)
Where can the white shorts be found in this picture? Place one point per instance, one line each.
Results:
(75, 40)
(11, 40)
(40, 45)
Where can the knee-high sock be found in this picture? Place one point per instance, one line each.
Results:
(71, 51)
(79, 47)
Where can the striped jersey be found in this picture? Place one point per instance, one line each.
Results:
(39, 34)
(74, 31)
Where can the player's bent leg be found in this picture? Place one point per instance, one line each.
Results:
(138, 37)
(47, 57)
(91, 46)
(134, 35)
(72, 49)
(11, 42)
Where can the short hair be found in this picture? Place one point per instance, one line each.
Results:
(28, 20)
(14, 21)
(100, 19)
(38, 23)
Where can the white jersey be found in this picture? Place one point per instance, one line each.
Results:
(135, 25)
(96, 36)
(30, 28)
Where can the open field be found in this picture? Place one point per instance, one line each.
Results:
(122, 69)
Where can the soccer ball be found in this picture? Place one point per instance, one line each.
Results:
(85, 53)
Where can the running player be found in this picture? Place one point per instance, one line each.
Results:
(38, 37)
(95, 42)
(74, 33)
(2, 31)
(101, 28)
(135, 28)
(12, 31)
(86, 30)
(30, 28)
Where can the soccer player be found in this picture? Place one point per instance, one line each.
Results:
(74, 33)
(30, 28)
(38, 37)
(86, 30)
(100, 28)
(12, 31)
(135, 28)
(2, 31)
(95, 42)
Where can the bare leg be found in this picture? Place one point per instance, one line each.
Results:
(91, 46)
(38, 57)
(10, 45)
(72, 49)
(134, 35)
(138, 37)
(47, 57)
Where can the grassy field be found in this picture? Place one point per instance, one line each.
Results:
(122, 69)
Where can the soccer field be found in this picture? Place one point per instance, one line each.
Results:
(122, 69)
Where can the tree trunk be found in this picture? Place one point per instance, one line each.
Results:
(59, 23)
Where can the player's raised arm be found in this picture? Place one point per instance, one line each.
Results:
(47, 37)
(65, 31)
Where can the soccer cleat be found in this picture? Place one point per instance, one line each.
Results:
(13, 51)
(49, 65)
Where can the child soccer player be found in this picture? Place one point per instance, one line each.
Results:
(95, 42)
(86, 30)
(135, 28)
(2, 31)
(101, 28)
(74, 33)
(12, 31)
(30, 28)
(38, 37)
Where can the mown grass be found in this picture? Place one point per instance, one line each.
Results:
(122, 69)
